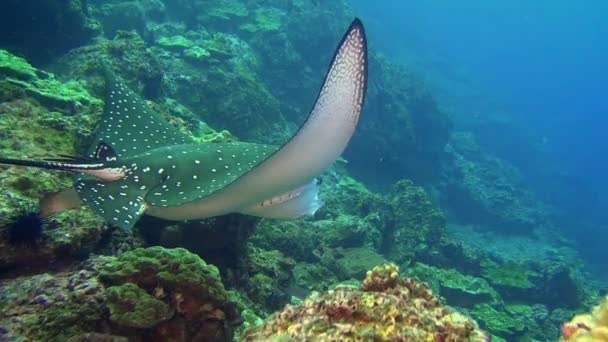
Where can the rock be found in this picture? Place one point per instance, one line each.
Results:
(132, 307)
(41, 30)
(42, 117)
(175, 43)
(122, 16)
(458, 289)
(50, 306)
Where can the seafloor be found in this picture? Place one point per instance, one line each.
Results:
(249, 70)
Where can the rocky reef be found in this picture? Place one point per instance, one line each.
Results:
(42, 30)
(42, 115)
(151, 294)
(385, 307)
(489, 191)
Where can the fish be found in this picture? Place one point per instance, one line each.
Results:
(140, 164)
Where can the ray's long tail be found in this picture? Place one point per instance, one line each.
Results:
(56, 164)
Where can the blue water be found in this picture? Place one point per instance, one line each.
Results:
(542, 65)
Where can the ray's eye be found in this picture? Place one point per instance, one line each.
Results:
(164, 178)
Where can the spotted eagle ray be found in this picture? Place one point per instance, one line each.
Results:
(139, 163)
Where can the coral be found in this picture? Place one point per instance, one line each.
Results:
(17, 67)
(226, 93)
(296, 239)
(173, 269)
(381, 278)
(559, 287)
(220, 45)
(508, 275)
(533, 317)
(390, 309)
(590, 327)
(196, 54)
(226, 9)
(312, 276)
(348, 231)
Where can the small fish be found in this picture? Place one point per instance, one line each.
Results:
(141, 164)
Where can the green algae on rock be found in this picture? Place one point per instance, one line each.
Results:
(499, 322)
(489, 191)
(184, 282)
(154, 293)
(172, 269)
(42, 114)
(268, 19)
(175, 43)
(459, 289)
(133, 307)
(51, 306)
(417, 222)
(126, 52)
(27, 81)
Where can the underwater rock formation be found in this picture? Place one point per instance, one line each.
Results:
(42, 114)
(43, 29)
(152, 293)
(202, 71)
(126, 53)
(485, 190)
(117, 16)
(184, 294)
(417, 224)
(414, 150)
(386, 307)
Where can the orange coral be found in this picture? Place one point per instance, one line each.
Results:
(592, 327)
(386, 307)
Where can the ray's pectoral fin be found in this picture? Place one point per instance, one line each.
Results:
(113, 193)
(120, 203)
(321, 139)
